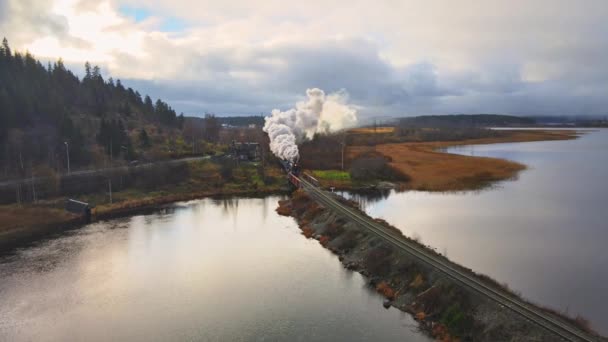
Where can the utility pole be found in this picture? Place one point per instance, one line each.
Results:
(342, 157)
(343, 143)
(34, 199)
(67, 151)
(21, 162)
(124, 148)
(18, 190)
(375, 131)
(110, 187)
(7, 159)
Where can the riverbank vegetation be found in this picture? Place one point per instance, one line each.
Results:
(416, 161)
(157, 187)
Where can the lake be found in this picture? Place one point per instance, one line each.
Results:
(544, 234)
(207, 270)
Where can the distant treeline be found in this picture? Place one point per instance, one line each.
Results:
(568, 120)
(466, 120)
(241, 121)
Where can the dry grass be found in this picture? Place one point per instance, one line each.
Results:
(385, 289)
(29, 218)
(284, 208)
(514, 136)
(372, 130)
(307, 232)
(417, 282)
(433, 170)
(14, 217)
(441, 333)
(324, 240)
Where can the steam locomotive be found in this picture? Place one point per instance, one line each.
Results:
(291, 167)
(294, 174)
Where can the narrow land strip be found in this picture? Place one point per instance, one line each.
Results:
(413, 283)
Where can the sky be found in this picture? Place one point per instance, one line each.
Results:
(393, 58)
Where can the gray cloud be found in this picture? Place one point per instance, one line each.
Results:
(375, 85)
(3, 10)
(541, 57)
(25, 20)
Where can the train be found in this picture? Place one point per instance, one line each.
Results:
(294, 174)
(291, 167)
(294, 180)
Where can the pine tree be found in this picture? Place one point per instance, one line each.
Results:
(148, 106)
(5, 48)
(126, 109)
(181, 120)
(87, 71)
(144, 140)
(43, 99)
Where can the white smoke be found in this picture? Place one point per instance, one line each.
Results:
(319, 114)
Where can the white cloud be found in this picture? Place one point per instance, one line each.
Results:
(393, 57)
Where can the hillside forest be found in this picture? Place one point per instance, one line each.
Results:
(47, 113)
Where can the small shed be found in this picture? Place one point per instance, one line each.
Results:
(79, 208)
(245, 150)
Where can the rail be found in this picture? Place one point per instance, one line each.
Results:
(532, 314)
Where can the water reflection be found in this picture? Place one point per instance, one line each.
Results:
(543, 234)
(367, 197)
(213, 270)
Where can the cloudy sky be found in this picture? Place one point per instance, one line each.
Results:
(393, 57)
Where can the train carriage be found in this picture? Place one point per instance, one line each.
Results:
(294, 180)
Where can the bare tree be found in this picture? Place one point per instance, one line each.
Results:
(191, 133)
(211, 128)
(15, 144)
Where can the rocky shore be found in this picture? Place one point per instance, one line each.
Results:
(444, 310)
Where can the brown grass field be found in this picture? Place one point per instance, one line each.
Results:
(433, 170)
(14, 217)
(372, 130)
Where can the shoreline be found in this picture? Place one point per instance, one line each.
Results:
(22, 236)
(425, 163)
(53, 220)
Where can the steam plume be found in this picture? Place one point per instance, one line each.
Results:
(319, 114)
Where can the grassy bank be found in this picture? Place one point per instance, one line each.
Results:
(426, 167)
(21, 223)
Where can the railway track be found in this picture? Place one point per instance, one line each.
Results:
(561, 329)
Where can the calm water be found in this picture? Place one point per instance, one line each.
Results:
(544, 234)
(208, 270)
